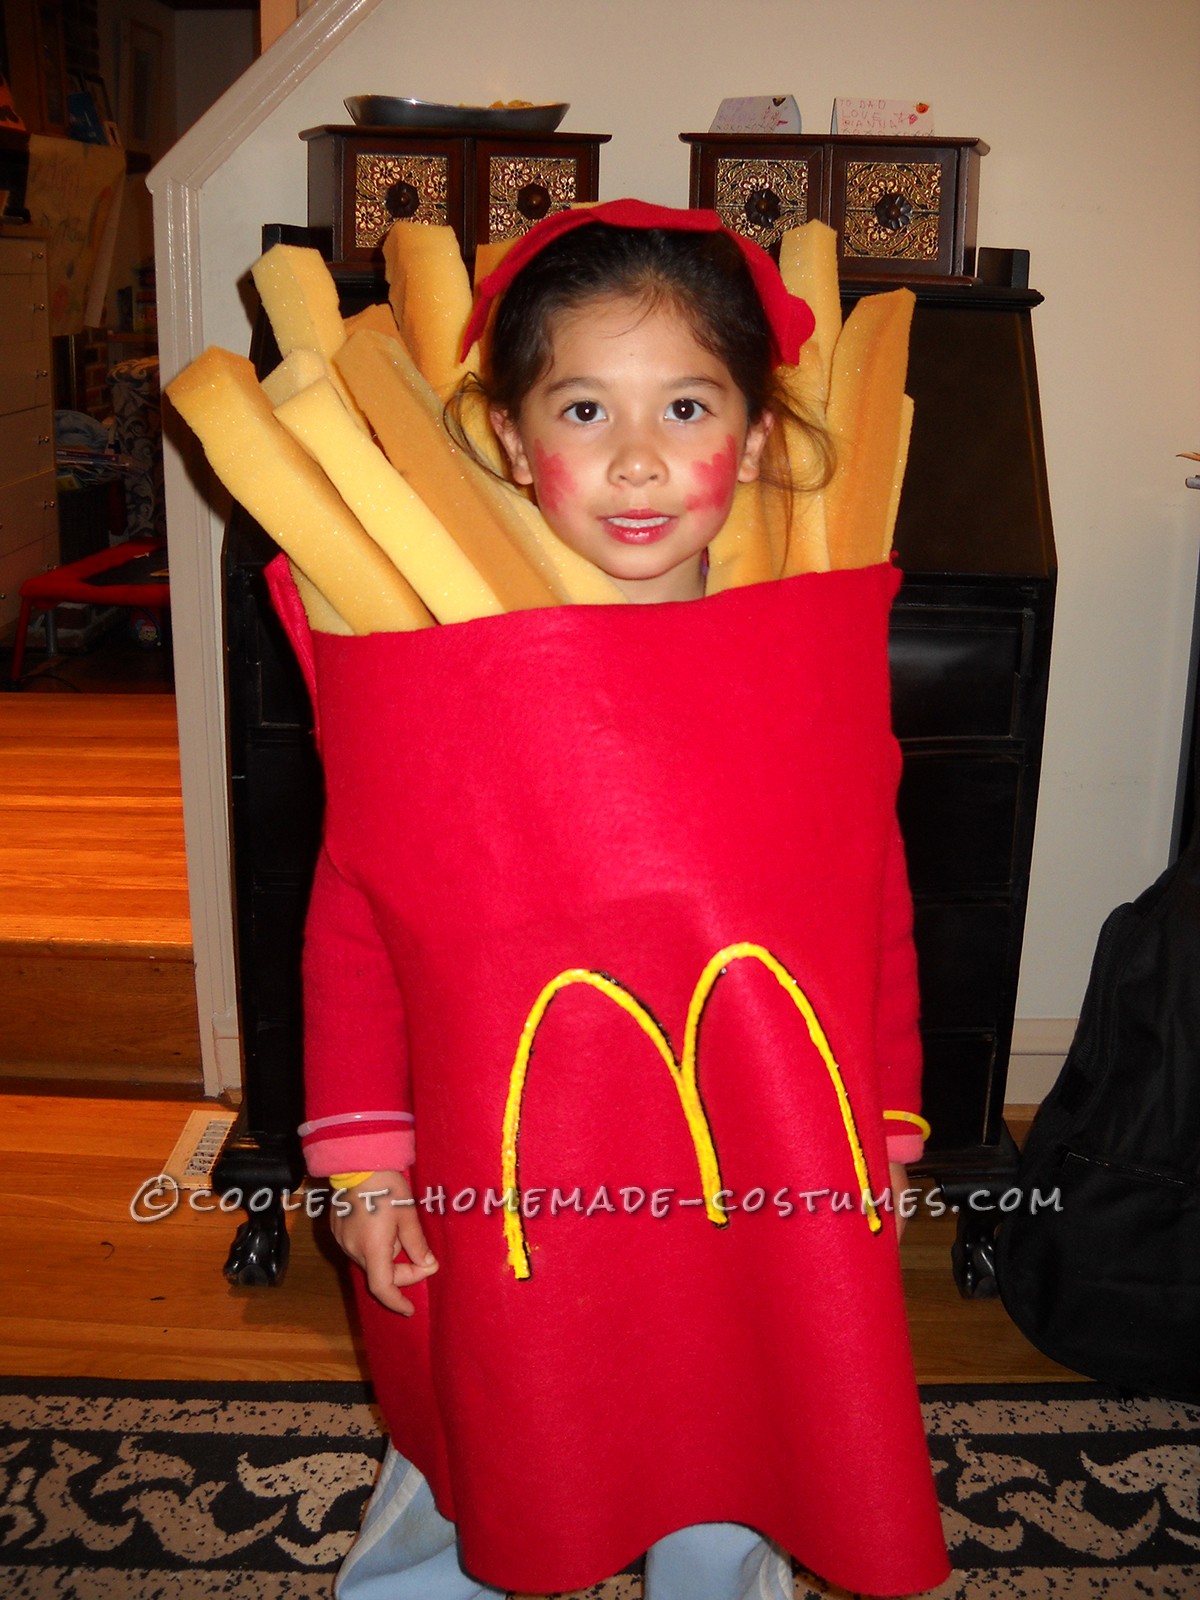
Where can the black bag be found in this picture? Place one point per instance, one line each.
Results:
(1105, 1278)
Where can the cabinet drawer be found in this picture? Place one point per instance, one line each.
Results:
(18, 564)
(29, 513)
(517, 185)
(22, 255)
(24, 374)
(758, 190)
(23, 311)
(962, 961)
(26, 444)
(955, 674)
(958, 814)
(362, 179)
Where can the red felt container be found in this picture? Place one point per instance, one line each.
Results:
(552, 837)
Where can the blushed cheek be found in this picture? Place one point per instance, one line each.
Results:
(552, 478)
(715, 480)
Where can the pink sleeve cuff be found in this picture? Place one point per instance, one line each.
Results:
(360, 1152)
(906, 1148)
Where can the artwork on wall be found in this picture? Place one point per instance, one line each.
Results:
(73, 193)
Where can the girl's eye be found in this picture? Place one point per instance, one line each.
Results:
(585, 411)
(685, 410)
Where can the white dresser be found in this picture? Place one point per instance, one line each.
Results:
(28, 492)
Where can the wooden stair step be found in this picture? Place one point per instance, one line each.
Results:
(95, 938)
(102, 1012)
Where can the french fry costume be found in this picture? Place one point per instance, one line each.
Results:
(611, 918)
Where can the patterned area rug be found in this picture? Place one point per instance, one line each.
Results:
(252, 1492)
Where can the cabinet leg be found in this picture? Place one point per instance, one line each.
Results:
(258, 1256)
(973, 1256)
(262, 1169)
(976, 1185)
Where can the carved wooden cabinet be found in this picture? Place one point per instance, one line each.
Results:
(902, 208)
(970, 651)
(361, 180)
(28, 488)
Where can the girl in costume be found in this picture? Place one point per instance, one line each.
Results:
(611, 996)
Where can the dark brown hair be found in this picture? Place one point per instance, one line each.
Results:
(703, 276)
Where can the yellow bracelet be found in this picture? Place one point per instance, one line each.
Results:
(909, 1116)
(349, 1180)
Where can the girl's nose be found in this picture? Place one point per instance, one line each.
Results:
(635, 461)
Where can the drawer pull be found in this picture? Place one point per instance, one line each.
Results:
(49, 505)
(43, 438)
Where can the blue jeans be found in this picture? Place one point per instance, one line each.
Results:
(406, 1550)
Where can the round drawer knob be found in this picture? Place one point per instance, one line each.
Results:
(403, 200)
(893, 212)
(534, 201)
(763, 208)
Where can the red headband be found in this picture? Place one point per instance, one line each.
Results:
(789, 318)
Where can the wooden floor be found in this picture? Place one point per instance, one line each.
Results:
(87, 1291)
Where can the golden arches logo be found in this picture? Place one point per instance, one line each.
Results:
(683, 1075)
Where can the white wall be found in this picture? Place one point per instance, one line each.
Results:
(212, 49)
(1091, 112)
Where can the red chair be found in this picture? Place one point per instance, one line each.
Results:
(95, 580)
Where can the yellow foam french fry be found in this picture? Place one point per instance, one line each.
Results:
(489, 255)
(322, 618)
(807, 545)
(284, 490)
(506, 539)
(578, 580)
(296, 371)
(906, 422)
(808, 266)
(487, 258)
(865, 413)
(740, 554)
(301, 299)
(400, 523)
(407, 418)
(378, 316)
(430, 294)
(473, 414)
(301, 302)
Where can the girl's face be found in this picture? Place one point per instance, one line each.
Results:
(634, 441)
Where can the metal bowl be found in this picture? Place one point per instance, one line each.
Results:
(386, 111)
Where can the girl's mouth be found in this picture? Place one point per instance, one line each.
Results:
(639, 527)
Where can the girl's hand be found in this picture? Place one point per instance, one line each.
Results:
(898, 1180)
(383, 1221)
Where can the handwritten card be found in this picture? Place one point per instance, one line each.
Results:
(887, 119)
(757, 113)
